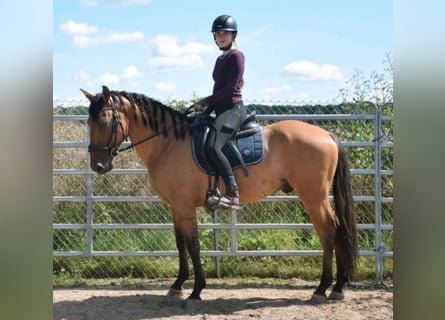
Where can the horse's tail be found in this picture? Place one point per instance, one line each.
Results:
(346, 233)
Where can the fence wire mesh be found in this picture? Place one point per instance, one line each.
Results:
(132, 234)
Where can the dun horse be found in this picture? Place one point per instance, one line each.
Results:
(297, 156)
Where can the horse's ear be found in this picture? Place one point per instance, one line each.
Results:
(87, 94)
(105, 93)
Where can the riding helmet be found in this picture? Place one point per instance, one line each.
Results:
(225, 22)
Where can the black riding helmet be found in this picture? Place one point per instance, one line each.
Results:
(225, 22)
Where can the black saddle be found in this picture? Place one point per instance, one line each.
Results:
(244, 149)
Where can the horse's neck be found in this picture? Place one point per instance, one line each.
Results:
(149, 142)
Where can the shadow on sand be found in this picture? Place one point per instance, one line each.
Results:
(153, 306)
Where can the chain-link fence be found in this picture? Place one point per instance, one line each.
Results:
(113, 225)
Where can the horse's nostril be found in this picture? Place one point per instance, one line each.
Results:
(100, 168)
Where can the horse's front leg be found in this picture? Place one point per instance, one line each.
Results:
(183, 274)
(187, 240)
(193, 247)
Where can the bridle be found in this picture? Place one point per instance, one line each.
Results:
(113, 148)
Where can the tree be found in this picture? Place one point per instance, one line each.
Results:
(378, 88)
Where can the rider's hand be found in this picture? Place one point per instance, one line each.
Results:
(198, 106)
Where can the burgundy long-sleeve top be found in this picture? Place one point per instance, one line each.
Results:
(228, 76)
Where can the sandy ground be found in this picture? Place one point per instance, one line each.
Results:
(220, 301)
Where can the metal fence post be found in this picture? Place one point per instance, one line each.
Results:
(377, 188)
(89, 202)
(216, 245)
(380, 246)
(233, 237)
(378, 191)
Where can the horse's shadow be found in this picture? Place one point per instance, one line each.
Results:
(154, 306)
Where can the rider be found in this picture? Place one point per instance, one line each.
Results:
(226, 101)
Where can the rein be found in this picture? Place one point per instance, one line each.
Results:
(113, 149)
(132, 145)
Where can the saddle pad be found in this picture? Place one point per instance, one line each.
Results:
(250, 148)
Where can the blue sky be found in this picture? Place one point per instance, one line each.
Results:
(296, 51)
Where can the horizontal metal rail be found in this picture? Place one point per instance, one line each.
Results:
(145, 171)
(350, 144)
(211, 226)
(205, 253)
(272, 117)
(156, 198)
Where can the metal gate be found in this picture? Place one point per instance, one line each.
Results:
(378, 144)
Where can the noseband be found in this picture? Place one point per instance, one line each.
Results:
(111, 148)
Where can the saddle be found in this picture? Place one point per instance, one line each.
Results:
(244, 149)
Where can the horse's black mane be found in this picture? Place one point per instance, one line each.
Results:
(153, 112)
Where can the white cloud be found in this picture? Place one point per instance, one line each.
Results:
(308, 71)
(168, 55)
(85, 35)
(122, 37)
(81, 41)
(305, 95)
(82, 75)
(166, 45)
(275, 90)
(92, 3)
(187, 62)
(108, 79)
(165, 87)
(197, 48)
(75, 28)
(131, 72)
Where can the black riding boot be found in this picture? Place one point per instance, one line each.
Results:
(228, 201)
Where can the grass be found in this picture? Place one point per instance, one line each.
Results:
(84, 271)
(69, 270)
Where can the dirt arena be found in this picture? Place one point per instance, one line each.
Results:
(221, 300)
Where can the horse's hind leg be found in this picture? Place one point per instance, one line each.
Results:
(342, 279)
(326, 279)
(324, 221)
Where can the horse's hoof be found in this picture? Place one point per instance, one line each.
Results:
(337, 296)
(175, 293)
(191, 305)
(318, 299)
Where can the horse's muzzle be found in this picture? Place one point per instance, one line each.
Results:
(102, 167)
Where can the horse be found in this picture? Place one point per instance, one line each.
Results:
(297, 156)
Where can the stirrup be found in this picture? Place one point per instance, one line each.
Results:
(217, 201)
(231, 206)
(214, 199)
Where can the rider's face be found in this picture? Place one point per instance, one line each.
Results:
(223, 38)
